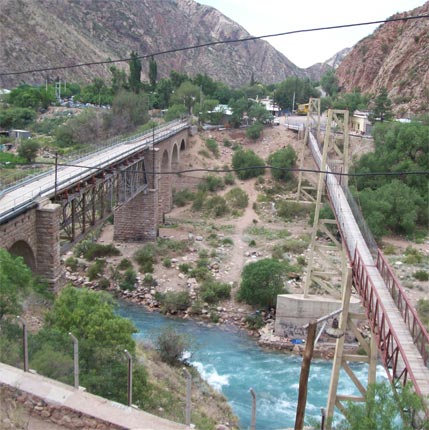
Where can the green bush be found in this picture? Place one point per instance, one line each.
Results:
(184, 268)
(211, 183)
(284, 158)
(227, 241)
(290, 210)
(213, 291)
(201, 274)
(216, 206)
(199, 201)
(93, 250)
(262, 281)
(124, 264)
(196, 307)
(103, 283)
(129, 280)
(227, 143)
(247, 164)
(421, 275)
(254, 131)
(413, 256)
(146, 257)
(237, 198)
(166, 262)
(96, 269)
(255, 321)
(174, 301)
(72, 263)
(213, 147)
(171, 345)
(229, 178)
(28, 150)
(181, 198)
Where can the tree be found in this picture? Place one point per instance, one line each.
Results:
(16, 280)
(329, 83)
(171, 345)
(16, 117)
(255, 130)
(301, 89)
(247, 164)
(153, 72)
(134, 79)
(164, 89)
(130, 109)
(382, 110)
(384, 410)
(188, 94)
(262, 281)
(28, 149)
(284, 158)
(119, 79)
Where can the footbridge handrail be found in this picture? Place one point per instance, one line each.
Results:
(408, 312)
(389, 345)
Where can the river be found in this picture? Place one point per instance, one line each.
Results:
(232, 362)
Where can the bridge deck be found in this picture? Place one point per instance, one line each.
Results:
(15, 198)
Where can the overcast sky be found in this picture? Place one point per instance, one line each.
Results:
(260, 17)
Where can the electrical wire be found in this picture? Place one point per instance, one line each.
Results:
(283, 169)
(218, 42)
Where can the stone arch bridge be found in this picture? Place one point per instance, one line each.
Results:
(132, 180)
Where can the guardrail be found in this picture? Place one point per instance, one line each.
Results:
(415, 326)
(393, 355)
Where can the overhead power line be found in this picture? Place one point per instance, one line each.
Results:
(218, 42)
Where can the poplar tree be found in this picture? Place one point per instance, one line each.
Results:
(135, 72)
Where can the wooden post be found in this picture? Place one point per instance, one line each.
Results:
(303, 379)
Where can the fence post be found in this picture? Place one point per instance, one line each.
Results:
(130, 377)
(24, 341)
(188, 397)
(253, 419)
(75, 360)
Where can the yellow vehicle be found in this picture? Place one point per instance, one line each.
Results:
(302, 109)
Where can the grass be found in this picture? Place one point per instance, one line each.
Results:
(269, 234)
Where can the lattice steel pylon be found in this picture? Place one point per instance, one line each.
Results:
(336, 131)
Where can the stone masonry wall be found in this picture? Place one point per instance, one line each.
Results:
(56, 414)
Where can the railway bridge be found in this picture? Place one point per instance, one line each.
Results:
(43, 216)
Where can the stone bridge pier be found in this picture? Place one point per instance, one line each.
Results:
(139, 218)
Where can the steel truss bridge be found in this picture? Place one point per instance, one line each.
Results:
(400, 337)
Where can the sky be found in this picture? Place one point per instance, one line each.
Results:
(260, 17)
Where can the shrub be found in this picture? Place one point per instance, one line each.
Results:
(413, 256)
(103, 283)
(181, 198)
(166, 262)
(213, 147)
(145, 257)
(227, 241)
(284, 158)
(171, 345)
(124, 264)
(214, 317)
(184, 268)
(227, 143)
(129, 280)
(72, 263)
(148, 279)
(421, 275)
(196, 307)
(97, 250)
(199, 200)
(262, 281)
(254, 321)
(216, 206)
(423, 311)
(95, 269)
(254, 131)
(28, 150)
(237, 198)
(165, 246)
(247, 164)
(212, 291)
(204, 253)
(174, 301)
(290, 210)
(229, 178)
(201, 274)
(212, 183)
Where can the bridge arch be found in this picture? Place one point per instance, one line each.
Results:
(182, 145)
(22, 249)
(165, 197)
(175, 159)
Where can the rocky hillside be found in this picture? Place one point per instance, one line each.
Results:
(395, 56)
(316, 71)
(50, 33)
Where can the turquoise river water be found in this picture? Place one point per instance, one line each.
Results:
(232, 362)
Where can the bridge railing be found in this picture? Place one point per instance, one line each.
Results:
(415, 326)
(393, 356)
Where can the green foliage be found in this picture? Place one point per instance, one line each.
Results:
(96, 250)
(129, 280)
(96, 269)
(229, 178)
(262, 281)
(171, 345)
(255, 321)
(350, 101)
(421, 275)
(135, 65)
(302, 88)
(284, 158)
(201, 274)
(290, 210)
(329, 83)
(254, 131)
(28, 149)
(383, 410)
(259, 113)
(187, 94)
(16, 117)
(124, 264)
(96, 93)
(174, 301)
(129, 110)
(26, 96)
(72, 263)
(16, 280)
(216, 206)
(181, 198)
(212, 291)
(166, 262)
(211, 183)
(423, 311)
(146, 257)
(213, 147)
(184, 268)
(247, 164)
(413, 256)
(175, 111)
(153, 72)
(382, 110)
(237, 198)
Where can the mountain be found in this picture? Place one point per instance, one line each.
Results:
(395, 56)
(46, 33)
(316, 71)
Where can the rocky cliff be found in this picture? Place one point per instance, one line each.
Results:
(395, 56)
(50, 33)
